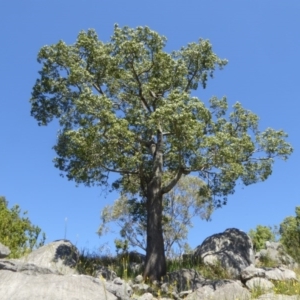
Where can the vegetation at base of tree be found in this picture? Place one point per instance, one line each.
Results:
(88, 263)
(17, 232)
(120, 264)
(127, 107)
(260, 235)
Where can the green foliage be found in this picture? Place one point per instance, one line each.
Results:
(121, 246)
(287, 287)
(257, 291)
(112, 100)
(260, 235)
(180, 205)
(208, 271)
(126, 106)
(214, 271)
(290, 234)
(16, 230)
(88, 264)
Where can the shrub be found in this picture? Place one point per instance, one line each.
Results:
(17, 232)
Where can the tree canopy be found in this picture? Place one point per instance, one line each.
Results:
(126, 107)
(16, 230)
(260, 235)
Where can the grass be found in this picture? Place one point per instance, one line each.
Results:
(211, 271)
(289, 287)
(89, 263)
(267, 261)
(257, 291)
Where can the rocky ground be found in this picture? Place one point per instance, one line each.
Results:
(50, 273)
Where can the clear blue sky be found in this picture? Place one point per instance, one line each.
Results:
(261, 40)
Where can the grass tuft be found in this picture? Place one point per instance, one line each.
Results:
(89, 264)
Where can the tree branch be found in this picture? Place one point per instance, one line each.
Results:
(144, 102)
(173, 182)
(99, 90)
(118, 171)
(190, 81)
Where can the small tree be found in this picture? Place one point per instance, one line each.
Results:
(126, 107)
(16, 230)
(260, 235)
(290, 234)
(180, 205)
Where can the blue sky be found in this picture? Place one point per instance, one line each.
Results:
(261, 40)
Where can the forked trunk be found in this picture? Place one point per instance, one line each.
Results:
(155, 266)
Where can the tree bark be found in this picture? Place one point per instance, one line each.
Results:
(155, 266)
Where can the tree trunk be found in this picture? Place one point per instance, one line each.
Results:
(155, 266)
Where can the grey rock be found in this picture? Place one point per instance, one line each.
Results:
(119, 288)
(60, 256)
(231, 290)
(233, 249)
(16, 265)
(203, 293)
(184, 294)
(221, 290)
(9, 265)
(288, 274)
(105, 272)
(17, 286)
(169, 290)
(49, 273)
(31, 269)
(259, 283)
(4, 251)
(268, 273)
(141, 288)
(275, 251)
(251, 272)
(146, 296)
(280, 274)
(138, 279)
(166, 288)
(184, 279)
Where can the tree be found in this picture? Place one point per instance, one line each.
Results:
(16, 230)
(180, 205)
(126, 107)
(290, 234)
(260, 235)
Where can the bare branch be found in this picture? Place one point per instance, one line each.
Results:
(98, 89)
